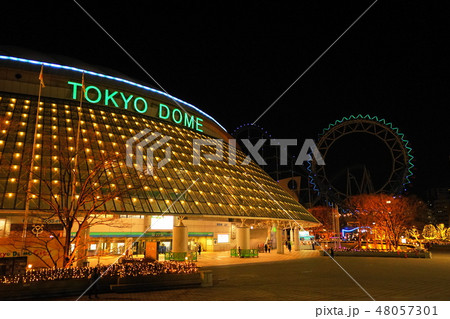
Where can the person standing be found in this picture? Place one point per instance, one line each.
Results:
(199, 249)
(265, 248)
(93, 282)
(289, 246)
(332, 252)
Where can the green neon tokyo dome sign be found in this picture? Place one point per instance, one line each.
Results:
(138, 103)
(94, 94)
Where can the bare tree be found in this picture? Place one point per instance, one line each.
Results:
(429, 232)
(441, 231)
(392, 215)
(324, 215)
(77, 204)
(414, 233)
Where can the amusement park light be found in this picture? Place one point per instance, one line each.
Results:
(388, 124)
(394, 130)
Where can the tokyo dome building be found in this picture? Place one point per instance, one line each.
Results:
(62, 120)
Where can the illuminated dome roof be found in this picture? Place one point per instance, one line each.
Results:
(14, 51)
(213, 188)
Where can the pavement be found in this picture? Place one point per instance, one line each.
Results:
(304, 275)
(222, 258)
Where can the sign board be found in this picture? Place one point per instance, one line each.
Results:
(151, 250)
(127, 101)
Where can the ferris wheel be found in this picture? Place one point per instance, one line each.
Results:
(253, 133)
(250, 131)
(353, 179)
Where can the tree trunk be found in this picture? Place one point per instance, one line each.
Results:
(359, 239)
(66, 248)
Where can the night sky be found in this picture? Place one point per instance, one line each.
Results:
(233, 60)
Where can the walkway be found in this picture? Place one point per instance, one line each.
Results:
(223, 258)
(302, 276)
(207, 259)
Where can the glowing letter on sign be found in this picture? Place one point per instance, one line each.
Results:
(144, 103)
(198, 124)
(99, 94)
(110, 97)
(125, 100)
(180, 116)
(189, 121)
(75, 88)
(167, 110)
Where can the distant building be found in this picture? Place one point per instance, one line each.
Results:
(439, 202)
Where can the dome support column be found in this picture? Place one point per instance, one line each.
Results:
(280, 245)
(180, 238)
(296, 239)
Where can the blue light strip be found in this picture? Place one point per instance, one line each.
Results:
(311, 178)
(348, 231)
(70, 68)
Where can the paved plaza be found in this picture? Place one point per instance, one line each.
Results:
(305, 275)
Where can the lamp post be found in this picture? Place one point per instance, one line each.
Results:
(389, 237)
(335, 227)
(374, 235)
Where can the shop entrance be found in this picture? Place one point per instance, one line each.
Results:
(164, 246)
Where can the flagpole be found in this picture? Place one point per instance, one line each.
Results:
(77, 144)
(33, 151)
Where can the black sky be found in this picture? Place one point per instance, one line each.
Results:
(234, 59)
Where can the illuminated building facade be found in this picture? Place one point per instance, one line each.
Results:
(215, 199)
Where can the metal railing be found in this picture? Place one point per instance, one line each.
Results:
(190, 256)
(244, 253)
